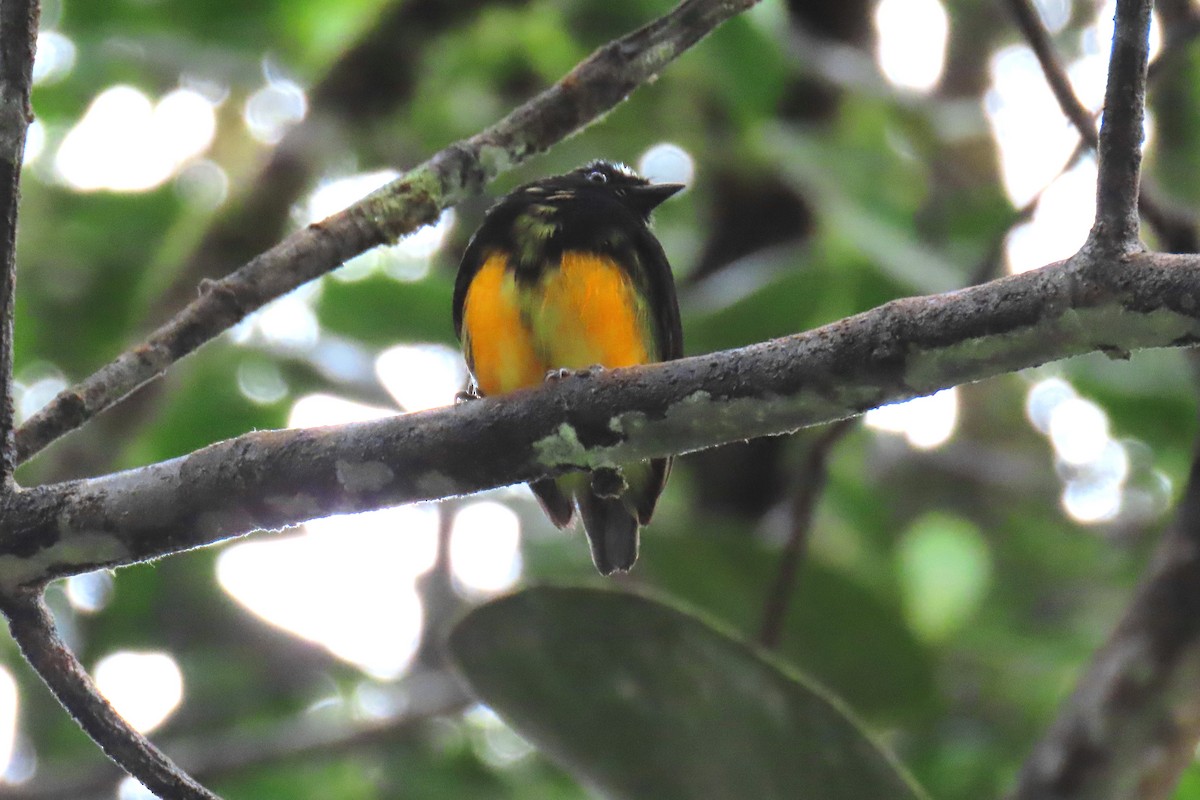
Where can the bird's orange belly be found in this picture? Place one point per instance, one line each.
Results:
(584, 313)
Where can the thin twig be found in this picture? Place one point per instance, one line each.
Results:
(590, 90)
(33, 629)
(903, 349)
(1035, 33)
(810, 484)
(1120, 150)
(18, 35)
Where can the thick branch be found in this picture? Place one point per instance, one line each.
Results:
(1132, 724)
(18, 33)
(1120, 149)
(33, 629)
(597, 84)
(900, 350)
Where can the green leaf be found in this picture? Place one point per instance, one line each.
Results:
(638, 699)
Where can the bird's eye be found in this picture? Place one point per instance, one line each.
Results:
(596, 176)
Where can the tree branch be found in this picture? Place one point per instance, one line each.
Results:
(809, 485)
(594, 87)
(18, 34)
(33, 629)
(900, 350)
(1133, 721)
(1027, 20)
(425, 696)
(1177, 230)
(1120, 150)
(370, 80)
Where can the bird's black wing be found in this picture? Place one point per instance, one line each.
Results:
(658, 283)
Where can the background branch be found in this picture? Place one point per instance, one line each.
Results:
(905, 348)
(1133, 721)
(810, 484)
(596, 85)
(1031, 27)
(18, 35)
(33, 629)
(1177, 230)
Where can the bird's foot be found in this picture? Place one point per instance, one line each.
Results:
(563, 373)
(467, 395)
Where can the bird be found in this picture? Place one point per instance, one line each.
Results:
(562, 277)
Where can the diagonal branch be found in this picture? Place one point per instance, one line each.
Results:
(426, 695)
(33, 630)
(369, 81)
(905, 348)
(590, 90)
(1120, 145)
(18, 34)
(1035, 33)
(1133, 722)
(1176, 230)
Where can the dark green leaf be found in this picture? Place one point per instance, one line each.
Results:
(642, 700)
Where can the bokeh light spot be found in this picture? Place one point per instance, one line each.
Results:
(493, 741)
(315, 410)
(347, 583)
(926, 422)
(35, 141)
(274, 108)
(89, 592)
(261, 381)
(1060, 223)
(912, 41)
(8, 718)
(667, 163)
(203, 183)
(421, 376)
(1079, 430)
(127, 143)
(144, 687)
(1045, 396)
(485, 543)
(54, 59)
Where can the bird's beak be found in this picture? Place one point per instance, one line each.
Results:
(650, 196)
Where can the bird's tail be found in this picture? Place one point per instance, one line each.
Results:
(612, 531)
(612, 504)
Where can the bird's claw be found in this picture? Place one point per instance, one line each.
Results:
(467, 395)
(566, 372)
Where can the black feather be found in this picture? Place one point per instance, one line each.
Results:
(612, 532)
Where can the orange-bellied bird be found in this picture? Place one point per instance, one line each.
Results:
(564, 274)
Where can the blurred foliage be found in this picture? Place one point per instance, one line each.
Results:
(947, 599)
